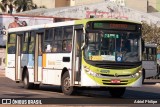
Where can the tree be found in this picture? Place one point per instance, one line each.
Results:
(3, 5)
(19, 5)
(151, 34)
(24, 5)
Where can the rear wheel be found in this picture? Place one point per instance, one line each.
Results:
(66, 88)
(26, 83)
(36, 86)
(117, 92)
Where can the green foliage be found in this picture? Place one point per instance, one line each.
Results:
(20, 5)
(23, 5)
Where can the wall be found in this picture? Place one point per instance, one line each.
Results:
(46, 3)
(140, 5)
(72, 2)
(158, 5)
(52, 3)
(152, 7)
(83, 2)
(62, 3)
(103, 10)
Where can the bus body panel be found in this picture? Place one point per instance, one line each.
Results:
(86, 80)
(31, 74)
(96, 78)
(45, 76)
(149, 62)
(53, 77)
(150, 68)
(11, 60)
(10, 70)
(40, 68)
(53, 66)
(10, 73)
(55, 61)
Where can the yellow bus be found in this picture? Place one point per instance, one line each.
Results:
(80, 53)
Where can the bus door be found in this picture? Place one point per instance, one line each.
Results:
(38, 57)
(18, 57)
(77, 54)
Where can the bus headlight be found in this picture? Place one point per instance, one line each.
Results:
(90, 72)
(137, 74)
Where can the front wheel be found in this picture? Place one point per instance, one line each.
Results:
(143, 76)
(66, 88)
(117, 92)
(26, 83)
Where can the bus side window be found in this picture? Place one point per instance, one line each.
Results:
(69, 46)
(48, 38)
(57, 43)
(31, 42)
(67, 38)
(11, 44)
(25, 43)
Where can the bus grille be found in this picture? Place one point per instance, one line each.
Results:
(115, 83)
(107, 82)
(114, 76)
(114, 65)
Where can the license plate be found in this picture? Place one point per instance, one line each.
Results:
(115, 81)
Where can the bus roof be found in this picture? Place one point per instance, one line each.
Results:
(56, 24)
(105, 19)
(38, 27)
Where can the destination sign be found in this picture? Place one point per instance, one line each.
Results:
(114, 26)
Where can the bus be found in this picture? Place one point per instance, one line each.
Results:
(82, 53)
(149, 62)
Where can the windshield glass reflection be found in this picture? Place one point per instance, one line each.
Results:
(118, 47)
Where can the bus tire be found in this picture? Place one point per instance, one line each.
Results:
(66, 88)
(143, 76)
(26, 83)
(36, 86)
(117, 92)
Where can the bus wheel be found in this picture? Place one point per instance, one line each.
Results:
(117, 92)
(66, 88)
(26, 83)
(36, 86)
(143, 76)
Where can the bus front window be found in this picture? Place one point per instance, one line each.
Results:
(117, 47)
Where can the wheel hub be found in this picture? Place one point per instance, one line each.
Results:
(67, 84)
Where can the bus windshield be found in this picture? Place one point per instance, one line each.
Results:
(117, 47)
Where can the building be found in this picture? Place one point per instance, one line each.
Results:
(47, 3)
(64, 3)
(141, 5)
(52, 3)
(153, 6)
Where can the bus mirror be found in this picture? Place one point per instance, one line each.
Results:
(143, 46)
